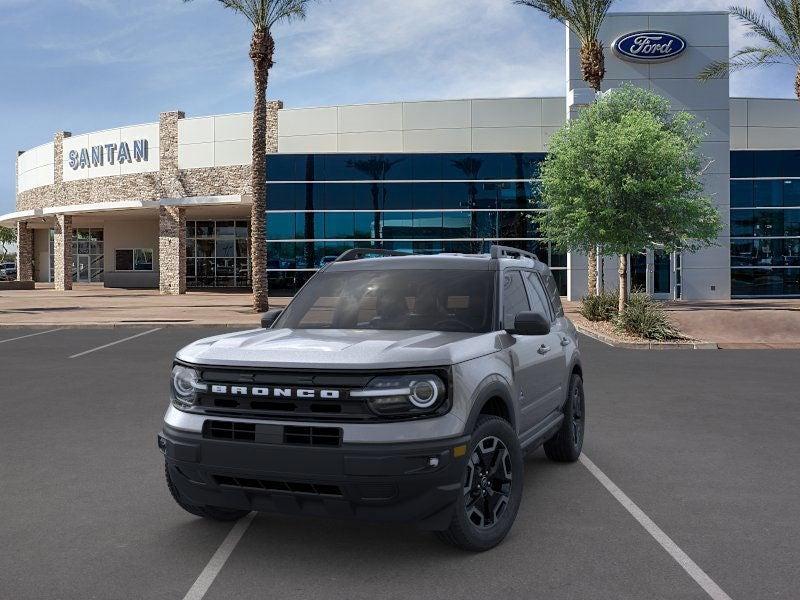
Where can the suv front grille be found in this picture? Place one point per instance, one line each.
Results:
(272, 434)
(325, 396)
(317, 489)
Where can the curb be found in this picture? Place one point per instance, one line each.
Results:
(646, 345)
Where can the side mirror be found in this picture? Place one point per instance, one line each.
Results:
(269, 317)
(531, 323)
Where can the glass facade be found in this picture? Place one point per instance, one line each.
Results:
(765, 223)
(320, 205)
(88, 262)
(217, 254)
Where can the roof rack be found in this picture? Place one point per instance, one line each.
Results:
(359, 253)
(497, 252)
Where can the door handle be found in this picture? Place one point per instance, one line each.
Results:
(565, 341)
(543, 349)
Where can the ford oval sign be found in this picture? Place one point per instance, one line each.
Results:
(649, 46)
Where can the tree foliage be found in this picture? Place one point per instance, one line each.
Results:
(8, 236)
(777, 36)
(626, 174)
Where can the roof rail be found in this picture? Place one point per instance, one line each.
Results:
(497, 252)
(359, 253)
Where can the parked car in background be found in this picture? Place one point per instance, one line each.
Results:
(8, 271)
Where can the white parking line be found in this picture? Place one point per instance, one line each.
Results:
(688, 565)
(22, 337)
(115, 343)
(214, 566)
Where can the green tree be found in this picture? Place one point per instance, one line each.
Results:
(263, 15)
(584, 19)
(626, 174)
(778, 37)
(7, 236)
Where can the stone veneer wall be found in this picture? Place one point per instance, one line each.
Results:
(24, 252)
(169, 182)
(62, 250)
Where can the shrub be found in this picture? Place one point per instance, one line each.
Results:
(645, 318)
(601, 307)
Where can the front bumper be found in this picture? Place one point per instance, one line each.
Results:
(400, 482)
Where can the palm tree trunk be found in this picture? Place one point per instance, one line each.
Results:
(593, 67)
(623, 282)
(261, 51)
(593, 70)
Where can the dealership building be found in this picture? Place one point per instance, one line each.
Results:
(167, 204)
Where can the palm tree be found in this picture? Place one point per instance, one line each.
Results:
(780, 41)
(584, 19)
(376, 168)
(263, 15)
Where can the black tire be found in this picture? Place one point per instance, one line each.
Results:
(503, 498)
(207, 512)
(566, 444)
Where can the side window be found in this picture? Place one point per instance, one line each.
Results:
(515, 299)
(555, 297)
(539, 302)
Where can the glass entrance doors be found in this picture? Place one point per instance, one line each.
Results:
(87, 255)
(652, 272)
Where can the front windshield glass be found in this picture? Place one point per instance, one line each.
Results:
(436, 300)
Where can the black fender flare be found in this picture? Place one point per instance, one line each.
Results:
(494, 387)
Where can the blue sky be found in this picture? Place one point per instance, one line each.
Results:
(84, 65)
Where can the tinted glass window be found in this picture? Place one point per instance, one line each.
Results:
(552, 286)
(515, 298)
(768, 193)
(437, 300)
(741, 194)
(537, 295)
(742, 164)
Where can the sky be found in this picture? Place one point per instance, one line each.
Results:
(86, 65)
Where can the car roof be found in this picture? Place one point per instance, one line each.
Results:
(466, 262)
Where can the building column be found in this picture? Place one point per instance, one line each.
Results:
(24, 252)
(171, 250)
(62, 253)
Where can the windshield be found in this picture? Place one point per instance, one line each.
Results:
(436, 300)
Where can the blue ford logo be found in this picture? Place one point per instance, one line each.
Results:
(649, 46)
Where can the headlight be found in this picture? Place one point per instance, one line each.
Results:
(185, 385)
(404, 395)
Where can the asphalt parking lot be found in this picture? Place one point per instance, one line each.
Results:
(703, 442)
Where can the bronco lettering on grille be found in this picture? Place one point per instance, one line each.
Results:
(276, 392)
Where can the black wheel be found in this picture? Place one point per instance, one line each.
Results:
(492, 488)
(207, 512)
(566, 444)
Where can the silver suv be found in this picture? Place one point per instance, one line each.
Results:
(391, 388)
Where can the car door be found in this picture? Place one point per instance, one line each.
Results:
(556, 357)
(528, 355)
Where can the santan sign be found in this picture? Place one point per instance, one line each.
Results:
(97, 156)
(649, 46)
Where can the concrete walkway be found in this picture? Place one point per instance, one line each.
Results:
(94, 305)
(735, 324)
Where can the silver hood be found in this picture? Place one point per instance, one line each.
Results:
(339, 348)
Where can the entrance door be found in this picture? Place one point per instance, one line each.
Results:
(83, 268)
(662, 271)
(638, 269)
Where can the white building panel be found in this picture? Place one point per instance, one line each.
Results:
(773, 113)
(370, 117)
(233, 152)
(767, 138)
(196, 131)
(698, 29)
(739, 138)
(302, 144)
(554, 111)
(507, 139)
(233, 127)
(308, 121)
(738, 108)
(437, 140)
(508, 112)
(371, 141)
(195, 156)
(445, 114)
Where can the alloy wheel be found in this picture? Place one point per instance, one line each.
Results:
(487, 485)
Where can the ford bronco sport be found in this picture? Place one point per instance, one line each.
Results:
(391, 388)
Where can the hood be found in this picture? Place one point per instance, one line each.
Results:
(339, 348)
